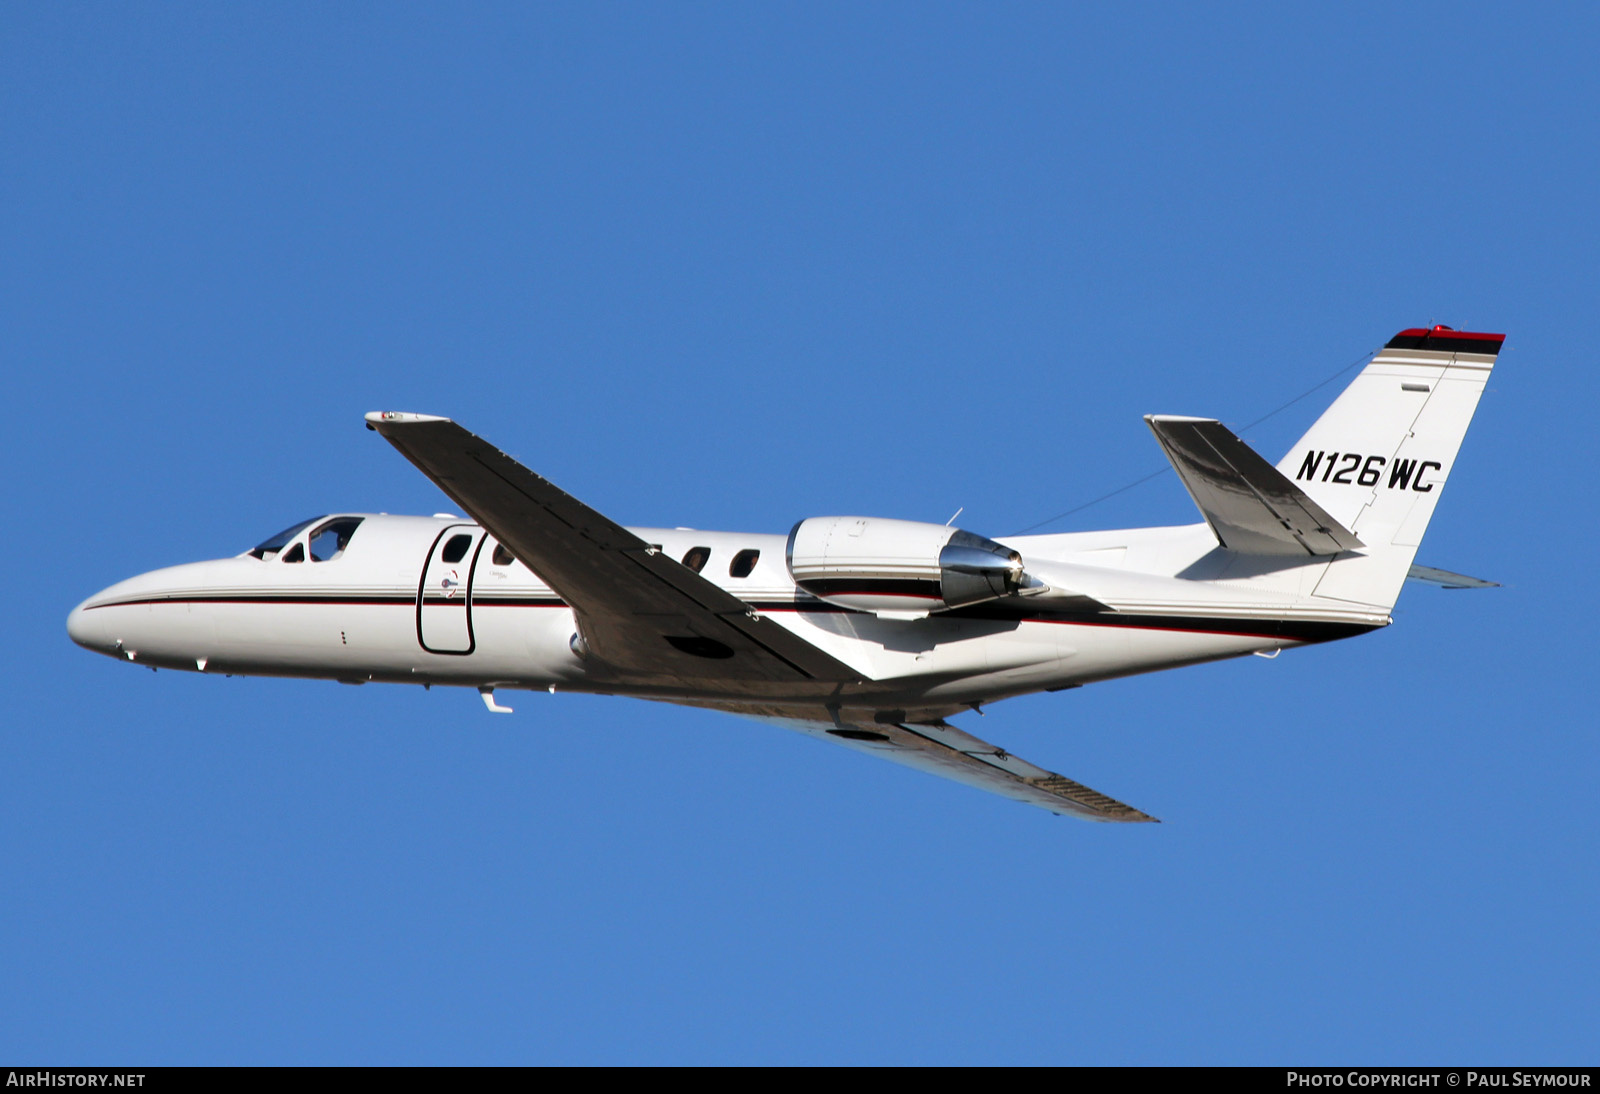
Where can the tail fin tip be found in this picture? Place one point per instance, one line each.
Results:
(1447, 339)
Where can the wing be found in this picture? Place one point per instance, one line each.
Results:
(1251, 506)
(942, 749)
(639, 611)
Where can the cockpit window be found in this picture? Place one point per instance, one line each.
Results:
(297, 553)
(277, 543)
(456, 549)
(329, 541)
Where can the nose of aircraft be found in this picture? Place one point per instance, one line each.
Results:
(87, 629)
(119, 618)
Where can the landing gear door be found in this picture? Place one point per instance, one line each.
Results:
(444, 597)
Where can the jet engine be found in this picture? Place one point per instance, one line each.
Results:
(900, 567)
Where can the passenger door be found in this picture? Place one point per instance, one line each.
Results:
(444, 596)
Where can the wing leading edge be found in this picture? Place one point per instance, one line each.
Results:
(1251, 506)
(638, 611)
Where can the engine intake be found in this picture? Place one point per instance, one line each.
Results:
(899, 567)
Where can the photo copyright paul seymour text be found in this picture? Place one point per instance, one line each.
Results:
(1470, 1079)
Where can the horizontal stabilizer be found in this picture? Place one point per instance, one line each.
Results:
(1447, 580)
(1250, 505)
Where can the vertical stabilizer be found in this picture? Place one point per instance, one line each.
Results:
(1378, 458)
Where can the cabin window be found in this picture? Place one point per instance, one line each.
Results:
(281, 540)
(329, 541)
(456, 549)
(297, 553)
(696, 558)
(743, 563)
(502, 557)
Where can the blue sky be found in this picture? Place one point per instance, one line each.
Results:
(729, 266)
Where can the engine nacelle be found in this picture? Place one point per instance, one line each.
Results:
(899, 567)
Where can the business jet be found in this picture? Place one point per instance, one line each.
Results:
(866, 631)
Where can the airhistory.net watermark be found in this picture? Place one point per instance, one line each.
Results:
(37, 1077)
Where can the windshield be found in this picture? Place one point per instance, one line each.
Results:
(272, 546)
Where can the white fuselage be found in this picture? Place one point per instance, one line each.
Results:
(407, 602)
